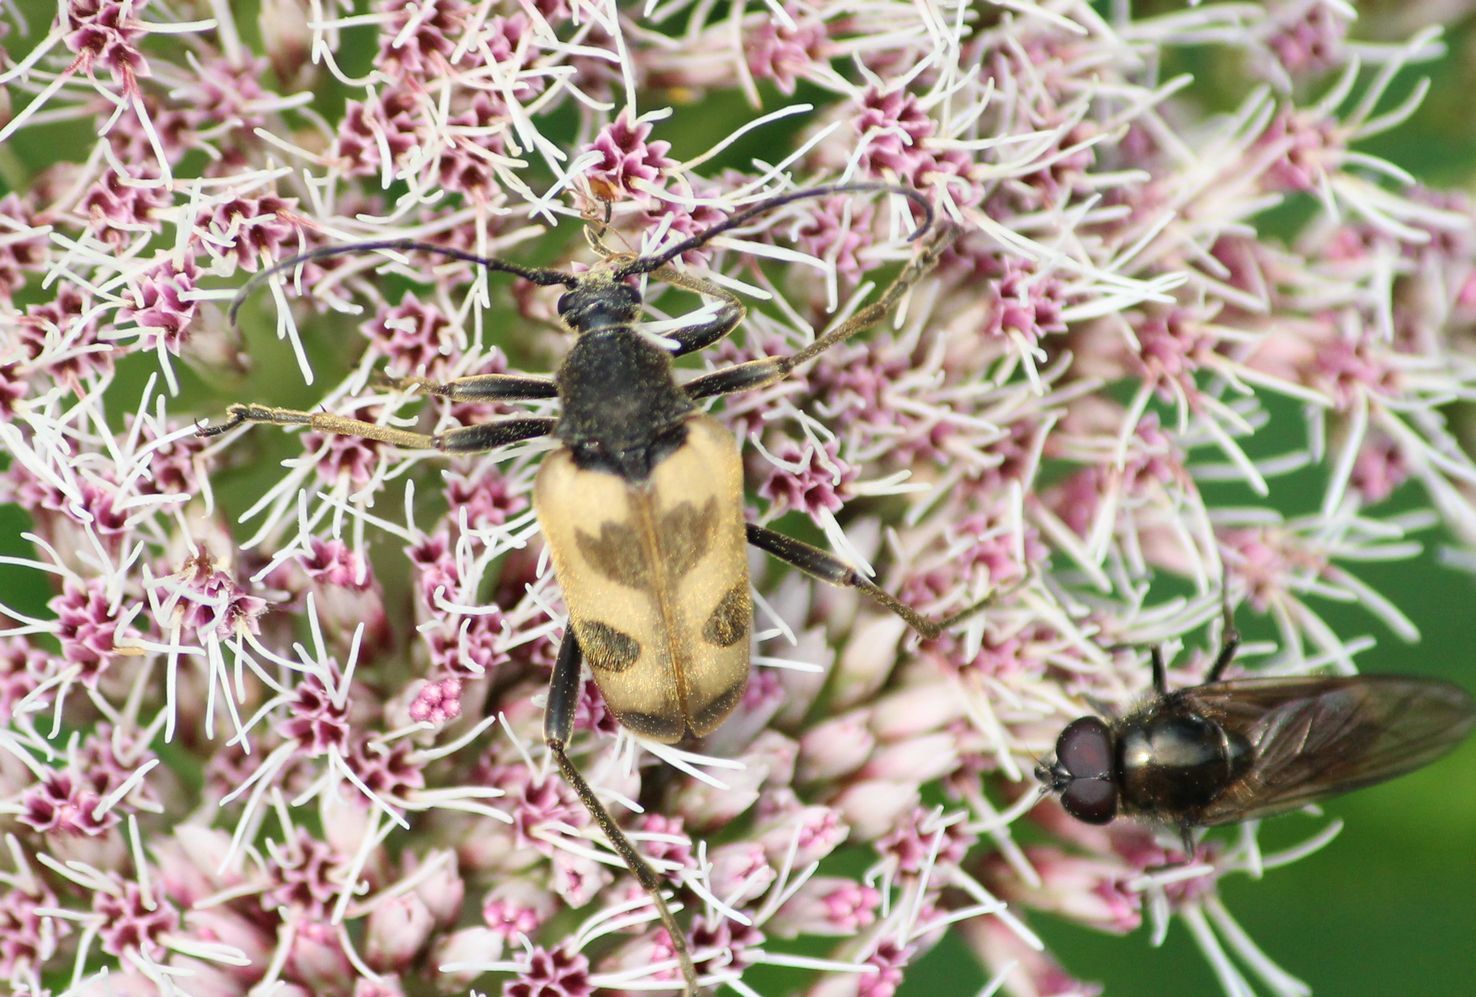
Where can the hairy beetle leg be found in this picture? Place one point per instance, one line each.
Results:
(558, 727)
(828, 568)
(767, 370)
(477, 387)
(468, 439)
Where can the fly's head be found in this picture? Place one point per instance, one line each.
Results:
(1081, 772)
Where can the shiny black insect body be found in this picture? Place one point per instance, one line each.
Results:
(641, 504)
(1224, 752)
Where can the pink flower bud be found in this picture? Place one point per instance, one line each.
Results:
(442, 890)
(287, 38)
(827, 905)
(471, 946)
(917, 709)
(740, 871)
(385, 986)
(346, 817)
(224, 926)
(516, 907)
(803, 688)
(317, 957)
(776, 754)
(916, 760)
(868, 659)
(836, 747)
(577, 879)
(1036, 973)
(1086, 890)
(703, 807)
(127, 982)
(813, 831)
(398, 927)
(188, 864)
(873, 806)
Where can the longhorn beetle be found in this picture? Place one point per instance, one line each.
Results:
(642, 501)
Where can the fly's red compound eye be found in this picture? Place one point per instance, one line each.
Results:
(1084, 752)
(1085, 749)
(1092, 801)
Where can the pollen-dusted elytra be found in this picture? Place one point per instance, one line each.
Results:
(642, 502)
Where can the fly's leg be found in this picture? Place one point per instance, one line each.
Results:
(828, 568)
(1229, 642)
(1160, 670)
(1186, 838)
(558, 725)
(767, 370)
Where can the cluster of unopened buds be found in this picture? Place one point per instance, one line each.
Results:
(274, 702)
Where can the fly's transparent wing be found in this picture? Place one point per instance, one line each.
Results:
(1317, 737)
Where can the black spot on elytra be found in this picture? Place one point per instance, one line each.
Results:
(686, 535)
(605, 648)
(729, 622)
(616, 554)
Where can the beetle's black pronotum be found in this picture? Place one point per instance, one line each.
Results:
(642, 501)
(1223, 752)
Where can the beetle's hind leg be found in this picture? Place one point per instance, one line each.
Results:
(767, 370)
(463, 440)
(558, 726)
(828, 568)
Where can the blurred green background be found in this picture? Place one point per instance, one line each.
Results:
(1390, 906)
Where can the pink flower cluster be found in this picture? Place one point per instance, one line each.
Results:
(273, 703)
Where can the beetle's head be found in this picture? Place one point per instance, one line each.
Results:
(598, 304)
(1082, 771)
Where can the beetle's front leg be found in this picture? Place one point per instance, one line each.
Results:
(463, 440)
(700, 335)
(477, 387)
(558, 727)
(766, 370)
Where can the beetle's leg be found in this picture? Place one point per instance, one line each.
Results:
(828, 568)
(700, 335)
(464, 440)
(558, 725)
(767, 370)
(1229, 643)
(477, 387)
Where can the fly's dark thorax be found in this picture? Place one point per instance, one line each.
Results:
(1172, 762)
(621, 409)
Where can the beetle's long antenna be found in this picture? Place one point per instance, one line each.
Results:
(646, 264)
(543, 276)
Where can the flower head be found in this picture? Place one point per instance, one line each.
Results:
(276, 705)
